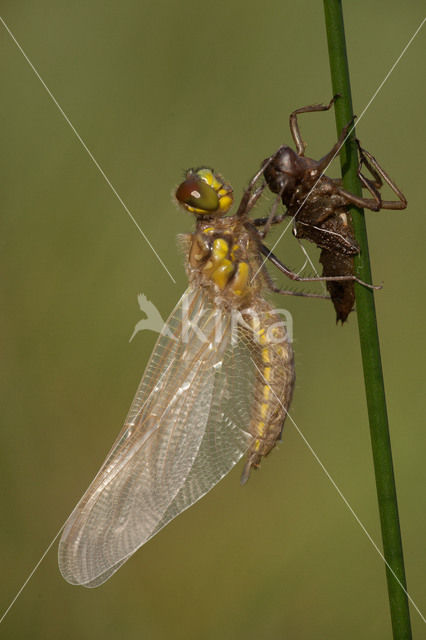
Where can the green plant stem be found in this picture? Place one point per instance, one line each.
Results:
(369, 338)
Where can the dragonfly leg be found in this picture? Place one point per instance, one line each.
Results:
(251, 195)
(260, 222)
(288, 292)
(272, 218)
(294, 276)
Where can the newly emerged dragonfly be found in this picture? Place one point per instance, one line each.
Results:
(218, 385)
(320, 206)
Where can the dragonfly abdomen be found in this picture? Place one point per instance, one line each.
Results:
(272, 355)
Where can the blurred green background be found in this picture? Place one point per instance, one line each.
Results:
(154, 88)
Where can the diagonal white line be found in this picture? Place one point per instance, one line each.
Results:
(342, 496)
(32, 572)
(391, 69)
(30, 575)
(162, 263)
(364, 529)
(353, 127)
(85, 147)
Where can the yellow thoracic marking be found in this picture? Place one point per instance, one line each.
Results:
(208, 230)
(267, 373)
(240, 280)
(220, 248)
(218, 254)
(221, 268)
(233, 250)
(222, 273)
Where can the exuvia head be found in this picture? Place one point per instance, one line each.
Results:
(204, 193)
(283, 172)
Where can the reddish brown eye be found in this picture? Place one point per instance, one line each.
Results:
(196, 193)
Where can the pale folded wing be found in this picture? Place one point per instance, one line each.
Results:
(186, 428)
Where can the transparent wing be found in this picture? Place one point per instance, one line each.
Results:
(185, 430)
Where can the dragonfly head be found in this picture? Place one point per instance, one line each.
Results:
(204, 193)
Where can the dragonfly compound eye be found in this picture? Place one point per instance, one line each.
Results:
(197, 196)
(202, 192)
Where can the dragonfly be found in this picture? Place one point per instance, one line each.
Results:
(319, 205)
(218, 386)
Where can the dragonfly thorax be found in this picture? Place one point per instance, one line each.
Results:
(220, 258)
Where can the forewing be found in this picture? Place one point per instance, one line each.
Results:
(184, 431)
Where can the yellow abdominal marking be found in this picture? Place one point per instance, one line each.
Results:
(276, 333)
(266, 358)
(260, 428)
(265, 355)
(263, 409)
(262, 338)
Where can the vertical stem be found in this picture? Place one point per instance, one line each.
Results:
(369, 338)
